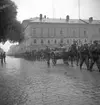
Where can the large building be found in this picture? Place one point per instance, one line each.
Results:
(42, 31)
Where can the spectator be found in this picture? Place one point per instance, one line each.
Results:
(4, 57)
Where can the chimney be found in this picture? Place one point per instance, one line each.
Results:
(67, 18)
(45, 16)
(90, 19)
(40, 17)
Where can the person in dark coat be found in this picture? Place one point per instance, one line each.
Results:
(1, 55)
(84, 56)
(4, 57)
(47, 51)
(95, 55)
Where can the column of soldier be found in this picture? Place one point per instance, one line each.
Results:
(89, 53)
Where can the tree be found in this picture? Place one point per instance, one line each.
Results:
(10, 28)
(14, 32)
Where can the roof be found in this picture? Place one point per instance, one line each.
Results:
(56, 20)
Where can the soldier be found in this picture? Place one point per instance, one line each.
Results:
(48, 56)
(1, 55)
(95, 53)
(73, 52)
(84, 55)
(4, 57)
(73, 46)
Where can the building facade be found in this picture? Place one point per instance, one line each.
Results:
(51, 32)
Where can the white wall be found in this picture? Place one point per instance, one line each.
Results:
(52, 31)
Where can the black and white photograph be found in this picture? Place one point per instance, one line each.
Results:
(49, 52)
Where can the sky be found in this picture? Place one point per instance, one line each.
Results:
(7, 45)
(56, 9)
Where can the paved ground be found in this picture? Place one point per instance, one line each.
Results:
(24, 82)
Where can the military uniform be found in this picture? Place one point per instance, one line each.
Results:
(48, 56)
(95, 55)
(73, 52)
(1, 55)
(84, 55)
(4, 57)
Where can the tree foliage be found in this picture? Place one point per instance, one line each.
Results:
(14, 32)
(10, 28)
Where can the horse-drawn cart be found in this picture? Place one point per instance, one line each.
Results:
(59, 54)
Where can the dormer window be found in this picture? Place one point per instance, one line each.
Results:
(55, 41)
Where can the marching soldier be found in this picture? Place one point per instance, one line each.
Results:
(48, 56)
(4, 57)
(74, 45)
(84, 55)
(95, 53)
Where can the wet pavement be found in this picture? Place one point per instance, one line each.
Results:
(25, 82)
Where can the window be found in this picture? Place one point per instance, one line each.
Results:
(48, 41)
(61, 32)
(85, 40)
(74, 33)
(73, 40)
(42, 41)
(34, 40)
(55, 41)
(85, 34)
(61, 40)
(68, 41)
(99, 30)
(34, 31)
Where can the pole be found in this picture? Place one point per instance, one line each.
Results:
(79, 9)
(53, 8)
(79, 17)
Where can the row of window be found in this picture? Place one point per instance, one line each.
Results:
(61, 32)
(35, 41)
(61, 41)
